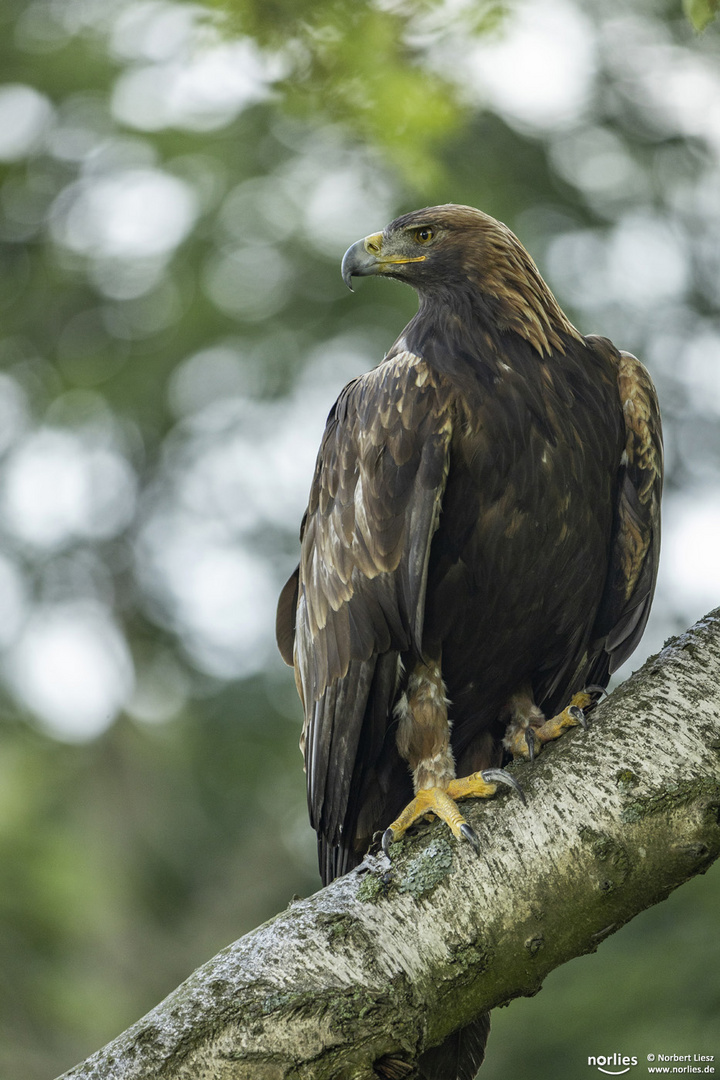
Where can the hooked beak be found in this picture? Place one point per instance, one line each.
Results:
(365, 258)
(361, 259)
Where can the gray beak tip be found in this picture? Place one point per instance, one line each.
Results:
(357, 262)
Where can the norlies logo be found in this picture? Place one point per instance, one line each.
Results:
(614, 1064)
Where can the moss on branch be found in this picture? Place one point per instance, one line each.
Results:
(393, 957)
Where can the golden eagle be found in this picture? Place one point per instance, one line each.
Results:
(480, 544)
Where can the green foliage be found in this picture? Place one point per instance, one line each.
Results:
(173, 332)
(361, 64)
(701, 12)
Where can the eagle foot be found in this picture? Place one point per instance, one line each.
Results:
(441, 803)
(530, 735)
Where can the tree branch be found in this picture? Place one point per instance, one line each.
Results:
(390, 961)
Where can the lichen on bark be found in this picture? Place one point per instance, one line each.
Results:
(388, 960)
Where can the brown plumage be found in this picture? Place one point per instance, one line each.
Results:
(483, 527)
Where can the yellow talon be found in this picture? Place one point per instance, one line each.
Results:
(441, 802)
(529, 737)
(554, 727)
(433, 800)
(471, 786)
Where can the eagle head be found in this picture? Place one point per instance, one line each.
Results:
(457, 255)
(438, 243)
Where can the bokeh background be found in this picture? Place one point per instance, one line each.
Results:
(177, 187)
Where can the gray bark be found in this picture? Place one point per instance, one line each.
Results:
(390, 959)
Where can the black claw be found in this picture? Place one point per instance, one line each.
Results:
(579, 715)
(593, 689)
(499, 776)
(530, 740)
(387, 839)
(471, 836)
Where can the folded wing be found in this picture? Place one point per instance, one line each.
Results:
(356, 602)
(635, 551)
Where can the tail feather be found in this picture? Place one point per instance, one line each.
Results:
(460, 1056)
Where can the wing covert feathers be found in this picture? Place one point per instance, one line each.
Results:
(374, 507)
(635, 548)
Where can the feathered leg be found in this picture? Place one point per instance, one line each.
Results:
(423, 740)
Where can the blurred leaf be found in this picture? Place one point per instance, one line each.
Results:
(359, 63)
(130, 858)
(701, 12)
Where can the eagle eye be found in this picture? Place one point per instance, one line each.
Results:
(424, 235)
